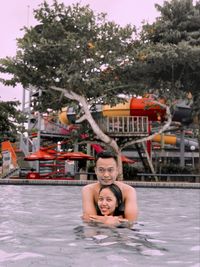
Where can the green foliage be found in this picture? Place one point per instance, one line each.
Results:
(173, 56)
(73, 48)
(70, 48)
(11, 119)
(179, 22)
(170, 49)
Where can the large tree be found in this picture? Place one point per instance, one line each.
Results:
(170, 52)
(76, 54)
(174, 42)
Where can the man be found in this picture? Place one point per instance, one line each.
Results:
(106, 170)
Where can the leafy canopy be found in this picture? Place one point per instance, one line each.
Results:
(71, 48)
(11, 119)
(170, 49)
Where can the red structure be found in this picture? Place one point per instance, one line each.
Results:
(147, 107)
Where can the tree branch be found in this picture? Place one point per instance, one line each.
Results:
(85, 106)
(81, 119)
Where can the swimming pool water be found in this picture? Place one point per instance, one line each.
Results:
(41, 226)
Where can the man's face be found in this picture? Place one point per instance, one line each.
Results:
(106, 171)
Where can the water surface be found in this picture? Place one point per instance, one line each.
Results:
(41, 226)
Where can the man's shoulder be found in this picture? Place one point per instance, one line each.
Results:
(123, 184)
(91, 187)
(124, 187)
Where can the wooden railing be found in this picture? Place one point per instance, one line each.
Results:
(124, 125)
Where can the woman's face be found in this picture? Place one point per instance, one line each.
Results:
(107, 202)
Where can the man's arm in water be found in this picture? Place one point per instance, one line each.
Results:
(130, 204)
(88, 204)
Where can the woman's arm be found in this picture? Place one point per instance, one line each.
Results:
(113, 221)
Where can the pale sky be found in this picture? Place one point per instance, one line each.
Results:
(14, 14)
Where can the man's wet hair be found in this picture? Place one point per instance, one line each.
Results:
(106, 155)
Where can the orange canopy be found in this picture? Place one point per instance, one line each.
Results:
(39, 155)
(75, 156)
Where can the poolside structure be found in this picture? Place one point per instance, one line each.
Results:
(136, 118)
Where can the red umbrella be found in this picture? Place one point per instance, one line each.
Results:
(51, 151)
(39, 155)
(75, 156)
(127, 160)
(55, 152)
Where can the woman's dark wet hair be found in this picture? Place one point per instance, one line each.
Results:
(118, 194)
(106, 155)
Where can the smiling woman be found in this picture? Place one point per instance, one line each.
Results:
(110, 201)
(110, 205)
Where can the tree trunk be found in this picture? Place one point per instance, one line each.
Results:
(101, 135)
(95, 127)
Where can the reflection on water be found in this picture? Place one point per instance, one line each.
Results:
(129, 239)
(41, 226)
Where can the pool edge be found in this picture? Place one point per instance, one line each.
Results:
(85, 182)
